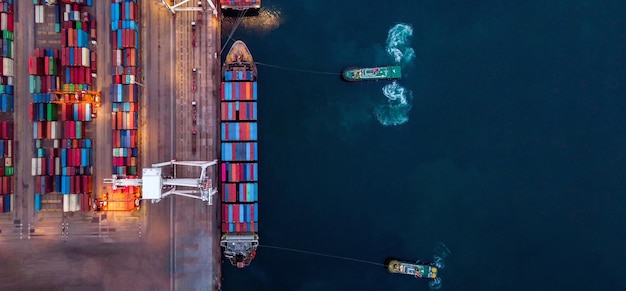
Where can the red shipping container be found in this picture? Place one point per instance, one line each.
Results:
(10, 22)
(46, 66)
(31, 66)
(31, 111)
(38, 184)
(114, 40)
(133, 139)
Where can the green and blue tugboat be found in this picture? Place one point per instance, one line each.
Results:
(354, 74)
(419, 270)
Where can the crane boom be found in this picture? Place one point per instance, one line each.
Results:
(155, 187)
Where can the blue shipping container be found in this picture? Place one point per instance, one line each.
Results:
(7, 203)
(37, 202)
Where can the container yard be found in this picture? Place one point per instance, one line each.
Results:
(239, 155)
(61, 138)
(64, 103)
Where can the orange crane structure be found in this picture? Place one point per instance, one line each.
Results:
(77, 96)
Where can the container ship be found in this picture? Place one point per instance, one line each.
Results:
(239, 156)
(418, 269)
(354, 74)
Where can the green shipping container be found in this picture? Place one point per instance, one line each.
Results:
(51, 112)
(79, 25)
(54, 68)
(79, 130)
(7, 35)
(8, 171)
(132, 170)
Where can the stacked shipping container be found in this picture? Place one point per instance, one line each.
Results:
(43, 67)
(40, 15)
(6, 56)
(6, 166)
(76, 57)
(63, 160)
(239, 153)
(124, 94)
(6, 105)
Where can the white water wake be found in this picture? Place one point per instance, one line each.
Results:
(396, 110)
(398, 40)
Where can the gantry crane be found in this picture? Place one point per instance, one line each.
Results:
(155, 187)
(77, 96)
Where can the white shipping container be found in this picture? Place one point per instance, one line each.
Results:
(33, 167)
(68, 8)
(57, 166)
(66, 16)
(39, 169)
(74, 206)
(131, 81)
(118, 57)
(54, 129)
(42, 14)
(66, 203)
(10, 79)
(85, 57)
(3, 21)
(57, 143)
(38, 13)
(8, 162)
(7, 67)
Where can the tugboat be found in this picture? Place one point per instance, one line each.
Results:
(354, 74)
(418, 269)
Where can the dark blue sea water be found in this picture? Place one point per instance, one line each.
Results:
(513, 154)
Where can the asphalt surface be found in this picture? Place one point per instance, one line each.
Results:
(173, 244)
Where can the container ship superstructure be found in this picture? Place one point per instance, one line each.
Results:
(239, 156)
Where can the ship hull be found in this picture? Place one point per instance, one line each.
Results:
(239, 156)
(419, 270)
(358, 74)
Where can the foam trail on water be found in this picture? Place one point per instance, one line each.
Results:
(398, 43)
(395, 111)
(442, 252)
